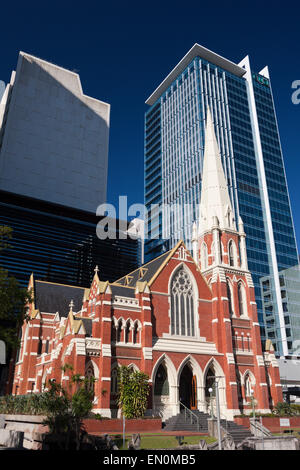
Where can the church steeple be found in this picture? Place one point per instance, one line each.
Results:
(215, 201)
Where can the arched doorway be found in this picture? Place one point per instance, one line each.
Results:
(188, 388)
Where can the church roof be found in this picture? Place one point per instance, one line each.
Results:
(88, 325)
(143, 274)
(51, 297)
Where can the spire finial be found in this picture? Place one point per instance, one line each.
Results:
(96, 270)
(71, 305)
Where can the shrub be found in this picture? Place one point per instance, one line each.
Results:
(284, 409)
(22, 404)
(133, 392)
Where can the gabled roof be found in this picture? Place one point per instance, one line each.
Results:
(51, 297)
(88, 325)
(147, 273)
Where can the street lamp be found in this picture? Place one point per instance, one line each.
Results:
(211, 403)
(253, 403)
(218, 408)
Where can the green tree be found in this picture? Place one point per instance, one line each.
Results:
(13, 299)
(133, 392)
(65, 409)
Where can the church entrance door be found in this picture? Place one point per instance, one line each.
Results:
(188, 388)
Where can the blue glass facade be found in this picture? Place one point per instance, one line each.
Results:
(59, 244)
(174, 146)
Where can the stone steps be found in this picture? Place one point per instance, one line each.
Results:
(178, 423)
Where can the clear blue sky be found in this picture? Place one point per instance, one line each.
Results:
(122, 51)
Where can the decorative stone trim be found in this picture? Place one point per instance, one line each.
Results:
(125, 301)
(106, 350)
(230, 358)
(189, 346)
(260, 360)
(147, 352)
(93, 346)
(80, 346)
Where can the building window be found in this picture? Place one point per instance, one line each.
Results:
(161, 382)
(119, 331)
(248, 386)
(114, 381)
(204, 256)
(231, 253)
(229, 295)
(135, 333)
(47, 346)
(127, 332)
(40, 347)
(182, 304)
(242, 299)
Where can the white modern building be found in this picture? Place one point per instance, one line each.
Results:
(53, 138)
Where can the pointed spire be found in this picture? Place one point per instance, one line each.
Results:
(215, 200)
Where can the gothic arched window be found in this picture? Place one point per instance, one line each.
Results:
(127, 332)
(229, 295)
(242, 299)
(182, 304)
(248, 386)
(119, 331)
(231, 253)
(161, 386)
(135, 333)
(114, 380)
(90, 376)
(204, 256)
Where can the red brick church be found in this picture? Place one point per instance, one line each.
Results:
(187, 320)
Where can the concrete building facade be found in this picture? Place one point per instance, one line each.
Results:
(53, 138)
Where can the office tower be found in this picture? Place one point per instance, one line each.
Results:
(241, 103)
(53, 138)
(53, 176)
(289, 280)
(60, 244)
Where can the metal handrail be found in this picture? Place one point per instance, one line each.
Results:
(187, 410)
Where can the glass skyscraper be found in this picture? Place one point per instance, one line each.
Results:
(60, 244)
(242, 108)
